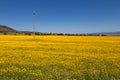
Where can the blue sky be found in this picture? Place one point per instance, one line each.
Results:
(66, 16)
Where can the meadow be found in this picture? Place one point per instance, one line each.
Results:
(59, 58)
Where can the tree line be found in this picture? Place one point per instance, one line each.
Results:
(41, 33)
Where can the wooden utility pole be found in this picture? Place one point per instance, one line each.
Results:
(34, 24)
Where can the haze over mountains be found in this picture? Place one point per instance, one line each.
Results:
(6, 29)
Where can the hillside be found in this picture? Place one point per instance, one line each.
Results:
(6, 29)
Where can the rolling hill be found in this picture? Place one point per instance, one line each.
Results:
(6, 29)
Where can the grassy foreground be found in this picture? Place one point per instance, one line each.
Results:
(59, 58)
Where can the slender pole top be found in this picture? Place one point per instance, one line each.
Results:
(34, 21)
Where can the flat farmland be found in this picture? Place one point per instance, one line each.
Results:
(59, 58)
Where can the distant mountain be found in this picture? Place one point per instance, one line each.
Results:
(109, 33)
(6, 29)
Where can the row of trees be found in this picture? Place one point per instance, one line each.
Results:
(60, 34)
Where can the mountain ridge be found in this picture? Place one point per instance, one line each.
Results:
(5, 29)
(108, 33)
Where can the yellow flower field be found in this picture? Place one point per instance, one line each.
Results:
(60, 58)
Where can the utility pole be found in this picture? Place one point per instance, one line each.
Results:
(34, 22)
